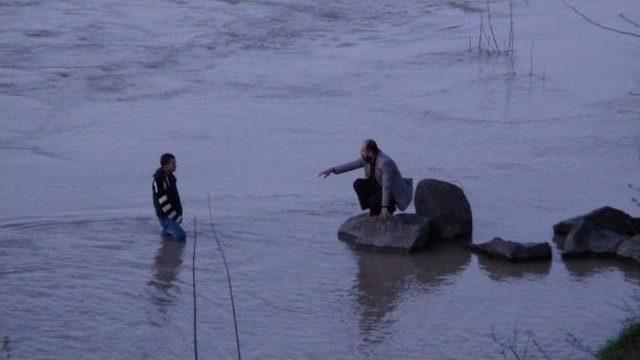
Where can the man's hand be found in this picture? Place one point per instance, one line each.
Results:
(325, 174)
(385, 214)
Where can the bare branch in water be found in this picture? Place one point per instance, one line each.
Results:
(634, 23)
(589, 20)
(579, 345)
(226, 267)
(531, 59)
(193, 278)
(493, 34)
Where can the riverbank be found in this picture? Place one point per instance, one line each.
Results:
(625, 346)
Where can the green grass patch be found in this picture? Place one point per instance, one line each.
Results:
(625, 347)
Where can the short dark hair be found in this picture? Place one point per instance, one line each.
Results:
(371, 145)
(166, 158)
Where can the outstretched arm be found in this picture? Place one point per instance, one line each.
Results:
(339, 169)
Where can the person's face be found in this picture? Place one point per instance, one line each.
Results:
(366, 154)
(172, 165)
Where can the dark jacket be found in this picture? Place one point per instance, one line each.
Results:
(166, 199)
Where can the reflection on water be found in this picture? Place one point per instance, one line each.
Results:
(582, 269)
(166, 268)
(382, 278)
(500, 270)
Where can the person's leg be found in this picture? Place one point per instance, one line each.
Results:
(164, 232)
(375, 201)
(369, 195)
(173, 229)
(363, 190)
(392, 206)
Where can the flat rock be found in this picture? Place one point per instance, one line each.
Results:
(403, 232)
(630, 248)
(514, 251)
(447, 208)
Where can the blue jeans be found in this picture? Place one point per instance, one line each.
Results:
(173, 229)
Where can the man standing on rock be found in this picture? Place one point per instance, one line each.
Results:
(383, 188)
(166, 199)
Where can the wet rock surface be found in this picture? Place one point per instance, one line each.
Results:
(514, 251)
(630, 249)
(447, 208)
(604, 232)
(403, 232)
(606, 218)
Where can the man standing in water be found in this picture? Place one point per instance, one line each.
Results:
(383, 188)
(166, 199)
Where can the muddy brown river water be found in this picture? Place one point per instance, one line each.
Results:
(255, 98)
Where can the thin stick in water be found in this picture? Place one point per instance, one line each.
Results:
(596, 23)
(493, 34)
(634, 23)
(531, 60)
(193, 277)
(226, 267)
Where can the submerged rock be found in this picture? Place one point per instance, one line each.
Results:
(630, 248)
(447, 208)
(404, 232)
(514, 251)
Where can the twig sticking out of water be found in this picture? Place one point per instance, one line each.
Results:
(531, 60)
(625, 18)
(590, 21)
(493, 34)
(511, 32)
(226, 267)
(480, 34)
(488, 40)
(193, 277)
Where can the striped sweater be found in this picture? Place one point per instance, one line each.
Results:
(166, 199)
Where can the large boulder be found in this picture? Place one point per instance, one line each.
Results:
(635, 224)
(447, 208)
(598, 233)
(606, 218)
(630, 248)
(514, 251)
(403, 232)
(587, 239)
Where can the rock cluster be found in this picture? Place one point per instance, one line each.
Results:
(604, 232)
(443, 214)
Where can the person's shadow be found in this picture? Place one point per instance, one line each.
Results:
(165, 271)
(383, 277)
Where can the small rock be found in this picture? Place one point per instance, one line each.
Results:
(514, 251)
(586, 239)
(630, 248)
(404, 232)
(447, 208)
